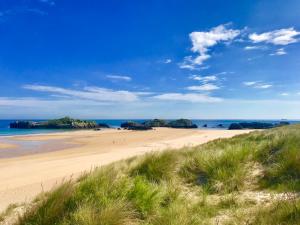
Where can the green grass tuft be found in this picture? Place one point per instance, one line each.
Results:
(280, 212)
(157, 166)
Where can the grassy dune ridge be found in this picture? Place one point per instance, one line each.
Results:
(248, 179)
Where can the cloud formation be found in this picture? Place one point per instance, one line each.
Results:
(118, 77)
(188, 97)
(202, 41)
(204, 79)
(284, 94)
(204, 87)
(249, 83)
(257, 84)
(167, 61)
(253, 47)
(42, 103)
(277, 37)
(89, 93)
(278, 52)
(49, 2)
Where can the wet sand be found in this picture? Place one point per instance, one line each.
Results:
(51, 158)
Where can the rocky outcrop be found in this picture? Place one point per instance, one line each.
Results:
(156, 123)
(63, 123)
(282, 123)
(131, 125)
(22, 124)
(250, 125)
(182, 123)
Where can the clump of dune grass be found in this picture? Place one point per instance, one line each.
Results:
(8, 211)
(157, 166)
(280, 212)
(280, 156)
(51, 208)
(115, 213)
(198, 185)
(217, 170)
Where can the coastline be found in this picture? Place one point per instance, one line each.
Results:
(23, 177)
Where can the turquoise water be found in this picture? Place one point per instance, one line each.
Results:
(211, 124)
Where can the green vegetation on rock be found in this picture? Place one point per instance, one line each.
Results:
(182, 123)
(63, 123)
(156, 123)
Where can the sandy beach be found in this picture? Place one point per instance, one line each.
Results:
(50, 158)
(6, 146)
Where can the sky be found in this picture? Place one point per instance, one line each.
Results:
(209, 59)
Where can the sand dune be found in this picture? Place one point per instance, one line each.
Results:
(23, 177)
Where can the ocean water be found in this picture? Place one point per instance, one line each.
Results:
(211, 124)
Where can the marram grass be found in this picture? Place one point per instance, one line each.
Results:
(220, 182)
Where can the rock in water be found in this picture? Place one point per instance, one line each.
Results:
(63, 123)
(130, 125)
(182, 123)
(156, 123)
(235, 126)
(250, 125)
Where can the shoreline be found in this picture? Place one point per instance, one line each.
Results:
(23, 177)
(58, 131)
(42, 133)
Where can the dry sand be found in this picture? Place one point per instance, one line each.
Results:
(23, 177)
(6, 146)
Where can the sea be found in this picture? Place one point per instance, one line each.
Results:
(211, 124)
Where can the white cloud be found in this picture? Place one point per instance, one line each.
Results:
(203, 78)
(280, 51)
(204, 87)
(42, 103)
(167, 61)
(284, 94)
(249, 83)
(191, 63)
(277, 37)
(257, 84)
(50, 2)
(5, 101)
(188, 97)
(4, 15)
(118, 77)
(90, 93)
(203, 40)
(263, 86)
(254, 47)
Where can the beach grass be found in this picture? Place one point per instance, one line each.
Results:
(248, 179)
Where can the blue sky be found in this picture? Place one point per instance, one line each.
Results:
(145, 59)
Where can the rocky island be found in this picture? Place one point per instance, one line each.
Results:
(149, 124)
(256, 125)
(62, 123)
